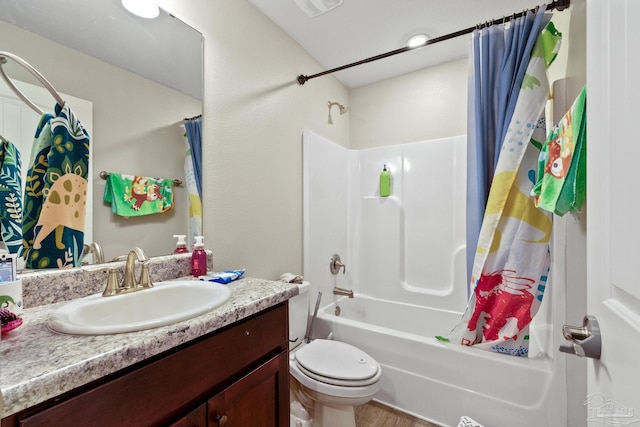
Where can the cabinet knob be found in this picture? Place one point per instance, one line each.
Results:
(222, 420)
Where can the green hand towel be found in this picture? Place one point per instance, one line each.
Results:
(561, 184)
(137, 195)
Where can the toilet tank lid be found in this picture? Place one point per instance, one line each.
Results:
(303, 287)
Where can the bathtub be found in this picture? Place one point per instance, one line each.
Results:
(440, 382)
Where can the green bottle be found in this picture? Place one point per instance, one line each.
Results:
(385, 182)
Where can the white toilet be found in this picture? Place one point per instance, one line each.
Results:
(327, 377)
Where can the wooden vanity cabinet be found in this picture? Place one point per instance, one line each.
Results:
(237, 376)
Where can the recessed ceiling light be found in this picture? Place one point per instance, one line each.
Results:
(142, 8)
(417, 40)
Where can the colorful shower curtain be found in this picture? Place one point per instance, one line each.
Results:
(193, 173)
(499, 56)
(56, 192)
(512, 259)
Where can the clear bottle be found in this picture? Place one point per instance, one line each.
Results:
(198, 258)
(181, 244)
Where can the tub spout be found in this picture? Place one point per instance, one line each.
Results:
(341, 291)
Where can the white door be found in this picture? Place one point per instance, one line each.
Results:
(613, 212)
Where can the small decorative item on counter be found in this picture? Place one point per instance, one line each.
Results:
(198, 258)
(181, 244)
(224, 277)
(8, 319)
(11, 296)
(385, 182)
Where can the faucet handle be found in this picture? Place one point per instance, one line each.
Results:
(112, 280)
(335, 264)
(145, 277)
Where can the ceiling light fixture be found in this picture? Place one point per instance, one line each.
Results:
(417, 40)
(142, 8)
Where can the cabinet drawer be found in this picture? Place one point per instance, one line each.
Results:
(163, 390)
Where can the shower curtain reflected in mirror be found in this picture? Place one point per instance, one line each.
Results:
(193, 175)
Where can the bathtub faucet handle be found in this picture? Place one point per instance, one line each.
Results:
(335, 264)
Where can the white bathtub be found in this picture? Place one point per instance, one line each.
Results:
(440, 382)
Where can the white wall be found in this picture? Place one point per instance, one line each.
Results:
(148, 143)
(254, 116)
(326, 193)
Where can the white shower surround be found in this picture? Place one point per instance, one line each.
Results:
(405, 254)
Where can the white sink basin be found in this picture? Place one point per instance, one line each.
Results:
(166, 303)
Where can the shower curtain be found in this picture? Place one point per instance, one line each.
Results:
(499, 57)
(192, 172)
(512, 259)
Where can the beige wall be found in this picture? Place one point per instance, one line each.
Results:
(423, 105)
(131, 134)
(254, 115)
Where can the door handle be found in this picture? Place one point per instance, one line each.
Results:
(585, 340)
(221, 420)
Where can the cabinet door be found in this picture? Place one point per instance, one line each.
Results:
(260, 399)
(195, 418)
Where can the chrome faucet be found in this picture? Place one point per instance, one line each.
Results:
(342, 291)
(129, 282)
(95, 249)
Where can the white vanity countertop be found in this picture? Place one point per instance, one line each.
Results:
(38, 364)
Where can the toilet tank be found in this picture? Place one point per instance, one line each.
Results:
(298, 315)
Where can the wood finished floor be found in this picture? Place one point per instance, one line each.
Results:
(374, 414)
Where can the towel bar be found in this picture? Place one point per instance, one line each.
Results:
(105, 174)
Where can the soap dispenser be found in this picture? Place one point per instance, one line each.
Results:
(385, 182)
(198, 258)
(181, 244)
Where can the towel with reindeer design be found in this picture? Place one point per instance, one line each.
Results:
(131, 195)
(55, 195)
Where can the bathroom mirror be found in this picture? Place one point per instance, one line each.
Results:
(142, 76)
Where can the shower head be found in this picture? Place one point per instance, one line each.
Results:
(341, 107)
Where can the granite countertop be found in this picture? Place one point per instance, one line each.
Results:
(38, 364)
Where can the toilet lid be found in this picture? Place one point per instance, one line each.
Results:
(337, 362)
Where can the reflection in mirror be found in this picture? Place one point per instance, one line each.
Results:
(142, 77)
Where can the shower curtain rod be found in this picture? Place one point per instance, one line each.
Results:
(559, 5)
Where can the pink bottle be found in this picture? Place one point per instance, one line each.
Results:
(198, 258)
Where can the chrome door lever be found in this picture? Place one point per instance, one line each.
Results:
(585, 340)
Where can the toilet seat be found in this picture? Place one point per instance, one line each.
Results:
(337, 363)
